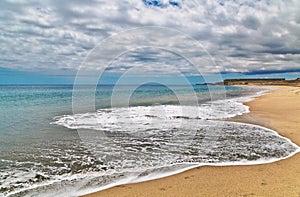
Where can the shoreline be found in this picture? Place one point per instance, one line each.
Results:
(172, 186)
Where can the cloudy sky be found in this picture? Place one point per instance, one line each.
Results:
(53, 37)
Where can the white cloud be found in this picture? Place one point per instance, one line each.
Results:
(241, 36)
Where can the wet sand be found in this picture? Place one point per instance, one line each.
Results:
(278, 110)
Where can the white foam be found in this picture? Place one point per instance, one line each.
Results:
(150, 117)
(153, 176)
(134, 177)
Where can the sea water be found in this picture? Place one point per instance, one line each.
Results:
(48, 150)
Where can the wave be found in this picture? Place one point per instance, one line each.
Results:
(148, 117)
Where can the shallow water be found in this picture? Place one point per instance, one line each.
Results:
(46, 150)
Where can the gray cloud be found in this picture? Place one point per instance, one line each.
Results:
(241, 36)
(251, 22)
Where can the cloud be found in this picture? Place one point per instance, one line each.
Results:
(293, 70)
(241, 36)
(251, 22)
(161, 4)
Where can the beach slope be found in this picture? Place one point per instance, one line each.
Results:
(278, 110)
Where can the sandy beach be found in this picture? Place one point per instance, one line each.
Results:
(278, 110)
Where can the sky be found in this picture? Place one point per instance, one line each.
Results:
(49, 41)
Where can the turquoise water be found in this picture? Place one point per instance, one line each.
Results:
(26, 111)
(46, 149)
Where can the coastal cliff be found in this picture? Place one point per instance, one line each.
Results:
(270, 81)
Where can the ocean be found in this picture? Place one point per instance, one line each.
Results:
(47, 150)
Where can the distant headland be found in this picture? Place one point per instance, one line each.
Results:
(257, 81)
(263, 81)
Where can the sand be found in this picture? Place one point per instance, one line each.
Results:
(278, 110)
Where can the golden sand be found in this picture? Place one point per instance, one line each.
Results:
(278, 110)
